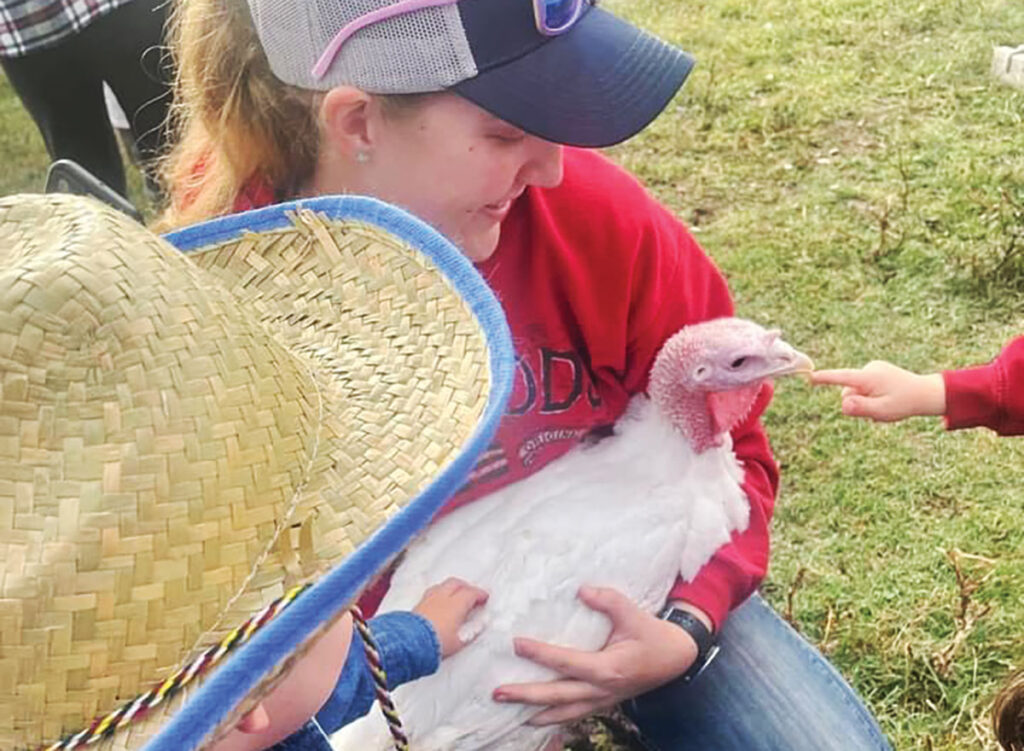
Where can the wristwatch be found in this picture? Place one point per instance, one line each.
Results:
(707, 649)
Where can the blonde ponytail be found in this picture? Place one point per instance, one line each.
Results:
(233, 118)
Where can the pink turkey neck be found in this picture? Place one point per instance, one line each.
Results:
(704, 417)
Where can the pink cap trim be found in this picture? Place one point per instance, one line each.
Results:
(381, 14)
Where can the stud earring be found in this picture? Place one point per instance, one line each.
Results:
(362, 157)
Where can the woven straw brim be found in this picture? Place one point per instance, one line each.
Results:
(182, 438)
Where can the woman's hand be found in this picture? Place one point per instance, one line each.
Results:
(447, 606)
(883, 392)
(643, 652)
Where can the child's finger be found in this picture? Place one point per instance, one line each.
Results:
(467, 598)
(857, 406)
(449, 585)
(840, 377)
(480, 596)
(870, 408)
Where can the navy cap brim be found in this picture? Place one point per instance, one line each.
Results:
(596, 85)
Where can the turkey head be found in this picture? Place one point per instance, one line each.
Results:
(707, 377)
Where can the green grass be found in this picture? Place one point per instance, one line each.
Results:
(859, 176)
(21, 147)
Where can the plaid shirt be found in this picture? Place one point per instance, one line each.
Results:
(29, 25)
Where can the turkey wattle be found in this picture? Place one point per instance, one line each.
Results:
(647, 504)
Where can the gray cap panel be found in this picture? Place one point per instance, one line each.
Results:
(425, 50)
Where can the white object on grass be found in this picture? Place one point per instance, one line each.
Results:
(1008, 65)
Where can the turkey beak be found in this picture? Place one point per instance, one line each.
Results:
(788, 360)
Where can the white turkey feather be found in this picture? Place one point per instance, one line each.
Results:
(632, 512)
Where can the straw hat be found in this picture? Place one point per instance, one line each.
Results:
(184, 438)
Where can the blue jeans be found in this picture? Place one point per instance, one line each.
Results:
(767, 690)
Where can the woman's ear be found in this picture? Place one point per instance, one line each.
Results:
(346, 115)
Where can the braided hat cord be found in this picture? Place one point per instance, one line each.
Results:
(135, 710)
(380, 680)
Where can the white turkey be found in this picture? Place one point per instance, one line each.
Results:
(648, 503)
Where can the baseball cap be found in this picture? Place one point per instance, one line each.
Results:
(595, 82)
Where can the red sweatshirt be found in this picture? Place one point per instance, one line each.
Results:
(989, 395)
(594, 276)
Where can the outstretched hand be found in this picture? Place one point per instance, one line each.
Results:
(642, 653)
(883, 392)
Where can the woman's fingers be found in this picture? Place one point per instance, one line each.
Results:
(572, 663)
(621, 610)
(550, 693)
(568, 712)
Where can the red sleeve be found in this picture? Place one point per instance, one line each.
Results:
(678, 284)
(990, 395)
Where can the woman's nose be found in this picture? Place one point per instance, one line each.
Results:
(545, 165)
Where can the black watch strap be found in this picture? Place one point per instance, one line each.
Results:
(694, 626)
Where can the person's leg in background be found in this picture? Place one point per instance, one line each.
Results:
(767, 690)
(137, 67)
(64, 96)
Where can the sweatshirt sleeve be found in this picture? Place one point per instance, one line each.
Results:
(409, 650)
(990, 395)
(680, 286)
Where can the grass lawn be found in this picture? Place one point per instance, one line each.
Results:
(21, 147)
(859, 176)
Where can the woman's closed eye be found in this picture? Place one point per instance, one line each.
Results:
(509, 136)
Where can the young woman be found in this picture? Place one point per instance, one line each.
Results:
(476, 116)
